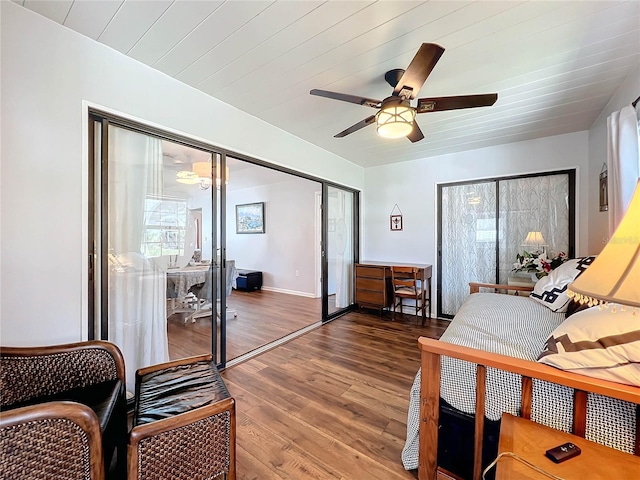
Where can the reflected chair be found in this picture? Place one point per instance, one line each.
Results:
(406, 285)
(204, 294)
(85, 374)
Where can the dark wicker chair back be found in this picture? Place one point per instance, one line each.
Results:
(90, 374)
(33, 372)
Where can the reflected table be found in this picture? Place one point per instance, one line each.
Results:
(180, 280)
(180, 283)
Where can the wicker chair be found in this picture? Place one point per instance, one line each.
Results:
(88, 374)
(51, 441)
(183, 424)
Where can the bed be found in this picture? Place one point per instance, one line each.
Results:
(508, 332)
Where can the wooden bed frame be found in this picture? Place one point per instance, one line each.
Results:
(432, 350)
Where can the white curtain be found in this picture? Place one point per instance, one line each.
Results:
(137, 284)
(343, 217)
(623, 162)
(469, 234)
(468, 240)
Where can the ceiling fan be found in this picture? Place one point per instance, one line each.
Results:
(396, 117)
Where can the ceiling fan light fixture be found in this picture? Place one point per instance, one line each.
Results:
(187, 177)
(395, 120)
(201, 173)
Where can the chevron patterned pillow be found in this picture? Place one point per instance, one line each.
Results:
(551, 290)
(597, 343)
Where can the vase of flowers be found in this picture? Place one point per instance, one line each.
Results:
(537, 263)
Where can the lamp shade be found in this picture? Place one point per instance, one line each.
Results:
(534, 239)
(395, 119)
(200, 173)
(202, 169)
(614, 276)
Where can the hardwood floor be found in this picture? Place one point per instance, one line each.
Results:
(263, 317)
(331, 403)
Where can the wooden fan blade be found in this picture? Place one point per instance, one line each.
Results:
(356, 127)
(418, 70)
(367, 102)
(416, 134)
(438, 104)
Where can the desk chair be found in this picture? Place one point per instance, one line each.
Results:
(204, 297)
(406, 285)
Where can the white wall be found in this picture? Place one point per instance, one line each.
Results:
(413, 186)
(599, 221)
(48, 71)
(288, 244)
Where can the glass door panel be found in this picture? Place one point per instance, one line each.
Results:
(483, 226)
(272, 241)
(153, 283)
(168, 238)
(532, 204)
(145, 234)
(340, 251)
(467, 242)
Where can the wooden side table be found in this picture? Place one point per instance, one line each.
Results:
(530, 441)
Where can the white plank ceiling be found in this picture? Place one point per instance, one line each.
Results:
(554, 64)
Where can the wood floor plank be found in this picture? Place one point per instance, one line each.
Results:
(263, 388)
(262, 317)
(330, 404)
(322, 447)
(251, 467)
(284, 458)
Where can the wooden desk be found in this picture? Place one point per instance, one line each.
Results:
(531, 440)
(373, 283)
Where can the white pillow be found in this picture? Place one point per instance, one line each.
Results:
(551, 290)
(597, 343)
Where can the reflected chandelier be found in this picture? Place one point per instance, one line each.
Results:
(201, 173)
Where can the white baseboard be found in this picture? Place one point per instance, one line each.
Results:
(288, 292)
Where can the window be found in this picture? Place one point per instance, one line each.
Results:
(165, 222)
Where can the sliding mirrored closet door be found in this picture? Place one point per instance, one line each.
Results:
(176, 225)
(484, 224)
(153, 267)
(340, 249)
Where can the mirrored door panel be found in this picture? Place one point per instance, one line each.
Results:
(340, 249)
(272, 243)
(196, 251)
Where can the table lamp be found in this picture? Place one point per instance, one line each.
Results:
(535, 239)
(614, 276)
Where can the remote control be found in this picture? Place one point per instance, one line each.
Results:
(563, 452)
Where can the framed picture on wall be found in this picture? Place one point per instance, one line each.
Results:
(604, 187)
(250, 218)
(395, 222)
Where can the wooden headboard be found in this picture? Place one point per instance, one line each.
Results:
(431, 351)
(475, 287)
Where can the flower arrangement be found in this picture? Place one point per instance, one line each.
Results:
(538, 263)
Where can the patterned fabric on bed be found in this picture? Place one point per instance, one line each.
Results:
(517, 327)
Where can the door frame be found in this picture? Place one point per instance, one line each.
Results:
(571, 173)
(101, 119)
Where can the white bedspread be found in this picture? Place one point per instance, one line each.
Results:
(517, 327)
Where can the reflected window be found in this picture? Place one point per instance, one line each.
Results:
(165, 222)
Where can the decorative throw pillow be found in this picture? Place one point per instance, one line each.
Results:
(551, 290)
(597, 343)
